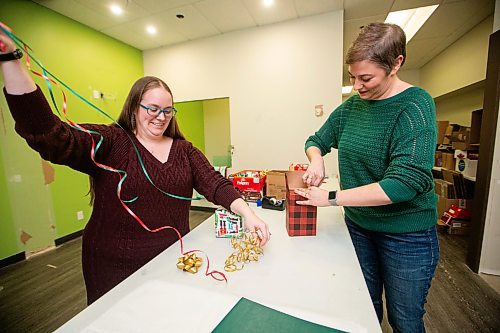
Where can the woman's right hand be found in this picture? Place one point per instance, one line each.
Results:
(16, 78)
(6, 44)
(315, 172)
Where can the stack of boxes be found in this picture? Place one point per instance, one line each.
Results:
(455, 170)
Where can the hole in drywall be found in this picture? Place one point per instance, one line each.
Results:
(179, 16)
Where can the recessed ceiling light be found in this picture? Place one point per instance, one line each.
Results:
(151, 30)
(268, 3)
(117, 10)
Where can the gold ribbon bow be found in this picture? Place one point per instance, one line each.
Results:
(247, 249)
(189, 263)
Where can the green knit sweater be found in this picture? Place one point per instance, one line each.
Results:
(390, 142)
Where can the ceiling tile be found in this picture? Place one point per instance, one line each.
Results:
(355, 9)
(281, 11)
(77, 12)
(418, 50)
(314, 7)
(194, 25)
(127, 33)
(451, 16)
(131, 11)
(155, 6)
(226, 15)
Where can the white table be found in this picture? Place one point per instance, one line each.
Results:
(316, 278)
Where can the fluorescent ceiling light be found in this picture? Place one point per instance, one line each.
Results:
(117, 10)
(268, 3)
(150, 29)
(411, 20)
(346, 90)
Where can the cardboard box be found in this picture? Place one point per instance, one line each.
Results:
(448, 133)
(276, 184)
(448, 161)
(466, 166)
(438, 159)
(227, 224)
(443, 188)
(441, 126)
(444, 204)
(461, 139)
(458, 227)
(300, 220)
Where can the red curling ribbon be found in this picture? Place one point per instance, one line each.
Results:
(219, 276)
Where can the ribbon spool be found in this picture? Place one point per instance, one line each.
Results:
(190, 263)
(247, 249)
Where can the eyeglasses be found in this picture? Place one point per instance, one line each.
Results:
(156, 111)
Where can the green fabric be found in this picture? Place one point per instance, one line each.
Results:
(250, 317)
(390, 142)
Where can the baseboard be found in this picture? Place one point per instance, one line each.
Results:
(12, 259)
(67, 238)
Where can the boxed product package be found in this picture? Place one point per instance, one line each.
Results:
(466, 166)
(298, 167)
(300, 219)
(249, 183)
(227, 224)
(276, 184)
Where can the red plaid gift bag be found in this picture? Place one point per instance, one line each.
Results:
(300, 220)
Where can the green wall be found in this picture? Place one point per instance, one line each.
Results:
(190, 119)
(85, 60)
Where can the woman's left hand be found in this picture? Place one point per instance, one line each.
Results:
(314, 196)
(255, 225)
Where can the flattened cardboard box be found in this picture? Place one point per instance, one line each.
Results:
(276, 184)
(300, 220)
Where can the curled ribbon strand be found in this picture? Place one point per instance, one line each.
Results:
(52, 79)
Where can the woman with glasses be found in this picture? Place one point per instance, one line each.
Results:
(114, 243)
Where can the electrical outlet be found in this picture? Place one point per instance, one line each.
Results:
(79, 215)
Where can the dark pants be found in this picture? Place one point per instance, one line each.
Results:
(401, 264)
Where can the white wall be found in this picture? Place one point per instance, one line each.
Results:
(274, 76)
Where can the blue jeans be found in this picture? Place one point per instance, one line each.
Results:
(401, 264)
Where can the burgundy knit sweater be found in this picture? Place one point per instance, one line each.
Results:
(114, 244)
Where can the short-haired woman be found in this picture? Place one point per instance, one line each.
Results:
(386, 137)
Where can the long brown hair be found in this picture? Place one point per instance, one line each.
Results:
(127, 117)
(380, 43)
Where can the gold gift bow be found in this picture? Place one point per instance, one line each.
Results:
(189, 263)
(247, 249)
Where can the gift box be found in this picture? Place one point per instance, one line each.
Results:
(227, 224)
(300, 219)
